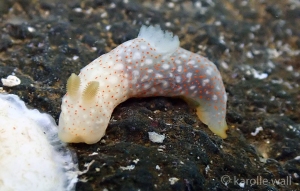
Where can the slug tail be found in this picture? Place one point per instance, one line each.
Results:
(216, 125)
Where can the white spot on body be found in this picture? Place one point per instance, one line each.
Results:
(146, 86)
(178, 79)
(165, 66)
(183, 55)
(149, 70)
(189, 75)
(158, 75)
(134, 80)
(143, 47)
(135, 72)
(192, 62)
(215, 97)
(165, 84)
(110, 63)
(204, 82)
(118, 67)
(192, 87)
(144, 78)
(148, 61)
(177, 61)
(179, 69)
(208, 71)
(194, 93)
(99, 121)
(113, 79)
(137, 56)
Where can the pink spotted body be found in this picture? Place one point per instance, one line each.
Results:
(144, 67)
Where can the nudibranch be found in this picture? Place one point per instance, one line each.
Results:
(152, 64)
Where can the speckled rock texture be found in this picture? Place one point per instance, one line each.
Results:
(255, 45)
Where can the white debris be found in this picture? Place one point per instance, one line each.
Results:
(161, 148)
(87, 165)
(273, 53)
(103, 15)
(297, 158)
(11, 81)
(155, 137)
(207, 168)
(224, 65)
(259, 75)
(173, 180)
(31, 29)
(130, 167)
(77, 10)
(257, 130)
(249, 54)
(242, 184)
(108, 27)
(136, 161)
(75, 58)
(94, 153)
(289, 68)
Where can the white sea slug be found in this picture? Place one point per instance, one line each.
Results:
(152, 64)
(31, 155)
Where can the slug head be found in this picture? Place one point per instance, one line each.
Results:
(79, 120)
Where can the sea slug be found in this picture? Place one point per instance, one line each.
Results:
(31, 156)
(152, 64)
